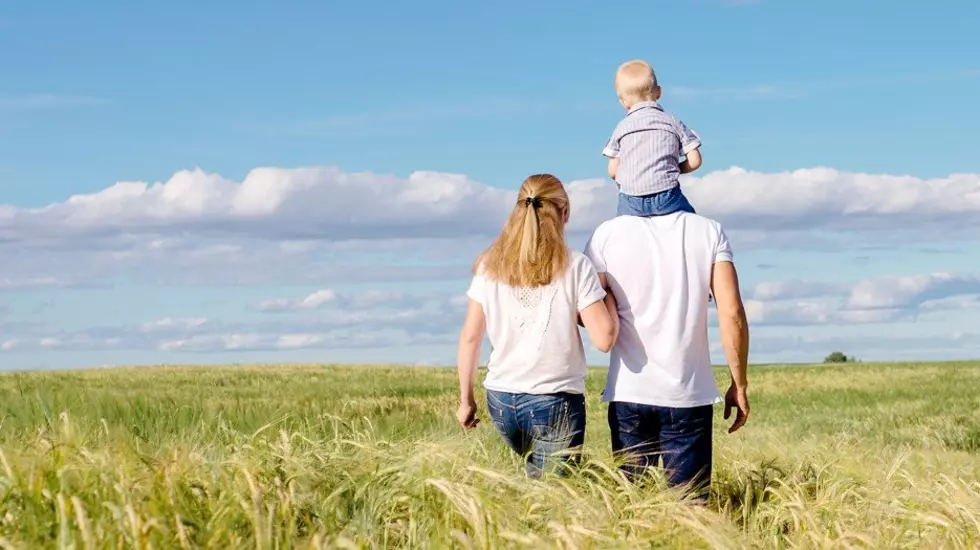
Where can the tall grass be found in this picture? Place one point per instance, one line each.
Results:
(870, 456)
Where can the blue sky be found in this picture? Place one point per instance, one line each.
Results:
(459, 102)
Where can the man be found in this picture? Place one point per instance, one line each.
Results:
(660, 386)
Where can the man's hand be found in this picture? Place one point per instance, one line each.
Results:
(466, 415)
(736, 398)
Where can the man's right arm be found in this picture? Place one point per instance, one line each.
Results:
(733, 326)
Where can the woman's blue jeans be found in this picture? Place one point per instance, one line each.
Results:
(548, 429)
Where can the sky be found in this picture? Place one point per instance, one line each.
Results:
(304, 181)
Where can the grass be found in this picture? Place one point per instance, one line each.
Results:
(859, 456)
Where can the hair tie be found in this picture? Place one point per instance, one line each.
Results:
(533, 201)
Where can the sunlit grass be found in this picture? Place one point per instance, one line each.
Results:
(882, 456)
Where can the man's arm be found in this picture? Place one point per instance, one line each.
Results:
(601, 320)
(734, 329)
(692, 162)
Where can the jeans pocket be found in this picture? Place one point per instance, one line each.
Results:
(624, 418)
(693, 418)
(553, 423)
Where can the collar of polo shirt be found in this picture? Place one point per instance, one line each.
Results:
(645, 105)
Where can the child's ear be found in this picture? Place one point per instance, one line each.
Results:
(656, 93)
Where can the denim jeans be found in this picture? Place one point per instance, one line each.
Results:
(549, 429)
(643, 435)
(658, 204)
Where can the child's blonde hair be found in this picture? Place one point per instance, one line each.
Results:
(636, 82)
(531, 249)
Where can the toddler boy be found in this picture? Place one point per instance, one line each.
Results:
(645, 148)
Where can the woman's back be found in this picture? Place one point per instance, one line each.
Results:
(533, 330)
(528, 293)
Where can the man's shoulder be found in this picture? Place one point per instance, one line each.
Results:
(700, 219)
(626, 222)
(616, 229)
(610, 226)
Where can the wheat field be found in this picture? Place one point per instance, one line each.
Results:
(281, 456)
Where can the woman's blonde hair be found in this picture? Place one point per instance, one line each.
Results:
(531, 249)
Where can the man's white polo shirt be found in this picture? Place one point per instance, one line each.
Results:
(659, 270)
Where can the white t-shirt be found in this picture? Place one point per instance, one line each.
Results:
(659, 270)
(535, 343)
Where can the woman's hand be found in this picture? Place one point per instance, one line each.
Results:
(466, 415)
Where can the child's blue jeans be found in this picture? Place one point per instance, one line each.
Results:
(657, 204)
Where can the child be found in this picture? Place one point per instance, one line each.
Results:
(645, 148)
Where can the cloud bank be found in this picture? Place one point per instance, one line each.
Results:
(328, 204)
(330, 231)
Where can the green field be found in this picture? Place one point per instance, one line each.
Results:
(884, 456)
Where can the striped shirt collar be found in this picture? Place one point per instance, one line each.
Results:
(645, 105)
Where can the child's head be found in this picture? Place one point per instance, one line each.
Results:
(636, 82)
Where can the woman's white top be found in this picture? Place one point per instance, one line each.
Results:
(534, 336)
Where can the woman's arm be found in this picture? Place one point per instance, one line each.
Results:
(470, 341)
(601, 319)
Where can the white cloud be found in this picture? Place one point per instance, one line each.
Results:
(352, 306)
(785, 290)
(364, 320)
(870, 348)
(298, 341)
(873, 300)
(952, 303)
(171, 324)
(316, 300)
(902, 292)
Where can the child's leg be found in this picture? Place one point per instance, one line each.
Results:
(658, 204)
(630, 205)
(673, 200)
(682, 203)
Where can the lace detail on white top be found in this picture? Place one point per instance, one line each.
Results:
(532, 317)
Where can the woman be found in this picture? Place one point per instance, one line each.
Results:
(529, 293)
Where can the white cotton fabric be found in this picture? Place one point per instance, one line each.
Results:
(659, 270)
(536, 346)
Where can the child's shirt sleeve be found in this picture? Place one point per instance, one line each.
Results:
(689, 140)
(611, 149)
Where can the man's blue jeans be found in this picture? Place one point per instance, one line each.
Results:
(549, 429)
(643, 435)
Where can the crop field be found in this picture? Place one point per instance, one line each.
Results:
(849, 456)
